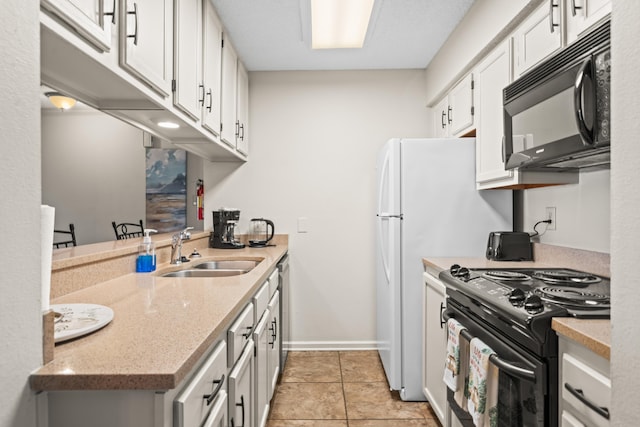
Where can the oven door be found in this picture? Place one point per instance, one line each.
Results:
(526, 397)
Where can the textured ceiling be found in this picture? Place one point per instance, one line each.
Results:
(275, 34)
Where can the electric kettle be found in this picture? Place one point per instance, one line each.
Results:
(260, 232)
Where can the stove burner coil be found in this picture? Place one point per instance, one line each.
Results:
(571, 296)
(505, 275)
(570, 278)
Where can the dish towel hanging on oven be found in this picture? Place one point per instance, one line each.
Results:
(452, 377)
(483, 385)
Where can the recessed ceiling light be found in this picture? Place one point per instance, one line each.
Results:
(168, 125)
(339, 24)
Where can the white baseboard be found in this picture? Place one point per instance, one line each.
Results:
(330, 345)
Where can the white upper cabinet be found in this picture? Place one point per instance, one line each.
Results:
(582, 14)
(212, 68)
(93, 19)
(538, 36)
(198, 41)
(441, 124)
(242, 109)
(453, 116)
(146, 41)
(189, 92)
(460, 111)
(492, 75)
(229, 87)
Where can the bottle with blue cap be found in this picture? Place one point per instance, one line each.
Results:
(146, 261)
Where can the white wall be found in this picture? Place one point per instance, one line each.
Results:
(93, 172)
(625, 205)
(20, 317)
(314, 141)
(582, 212)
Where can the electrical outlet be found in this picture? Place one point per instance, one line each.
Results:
(551, 214)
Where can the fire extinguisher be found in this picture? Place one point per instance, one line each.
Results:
(200, 199)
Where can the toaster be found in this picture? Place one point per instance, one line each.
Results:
(509, 246)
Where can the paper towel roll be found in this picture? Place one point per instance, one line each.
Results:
(47, 217)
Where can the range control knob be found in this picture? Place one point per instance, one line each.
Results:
(533, 304)
(460, 272)
(517, 297)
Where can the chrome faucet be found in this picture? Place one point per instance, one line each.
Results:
(176, 245)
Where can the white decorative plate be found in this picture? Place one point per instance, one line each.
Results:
(75, 320)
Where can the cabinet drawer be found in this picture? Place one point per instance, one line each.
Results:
(239, 334)
(218, 415)
(569, 420)
(260, 301)
(580, 384)
(274, 281)
(197, 398)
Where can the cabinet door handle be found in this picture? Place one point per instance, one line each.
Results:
(442, 321)
(237, 127)
(112, 14)
(552, 25)
(449, 110)
(579, 394)
(201, 100)
(241, 404)
(248, 334)
(210, 397)
(442, 119)
(274, 332)
(574, 7)
(242, 132)
(210, 95)
(134, 36)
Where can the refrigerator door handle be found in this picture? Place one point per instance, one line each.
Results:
(388, 215)
(383, 254)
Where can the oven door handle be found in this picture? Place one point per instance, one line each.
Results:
(509, 368)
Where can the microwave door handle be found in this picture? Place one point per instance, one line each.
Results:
(585, 71)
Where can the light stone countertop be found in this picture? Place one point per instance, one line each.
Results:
(594, 334)
(161, 328)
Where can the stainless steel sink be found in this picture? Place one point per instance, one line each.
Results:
(224, 268)
(236, 264)
(204, 273)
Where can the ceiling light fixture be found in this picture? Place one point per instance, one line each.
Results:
(339, 24)
(60, 101)
(168, 125)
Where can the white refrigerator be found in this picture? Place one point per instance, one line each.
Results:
(427, 206)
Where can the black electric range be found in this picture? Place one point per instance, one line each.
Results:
(511, 311)
(522, 301)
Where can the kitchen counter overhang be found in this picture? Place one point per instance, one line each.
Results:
(162, 326)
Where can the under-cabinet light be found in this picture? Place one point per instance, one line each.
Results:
(168, 125)
(339, 24)
(60, 101)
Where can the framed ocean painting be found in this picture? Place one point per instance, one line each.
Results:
(166, 189)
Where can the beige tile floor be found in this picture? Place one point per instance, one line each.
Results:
(342, 389)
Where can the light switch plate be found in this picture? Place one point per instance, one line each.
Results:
(303, 225)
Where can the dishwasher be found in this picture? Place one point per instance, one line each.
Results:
(285, 326)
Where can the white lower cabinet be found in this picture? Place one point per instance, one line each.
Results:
(218, 415)
(204, 392)
(261, 339)
(584, 386)
(273, 344)
(434, 345)
(241, 393)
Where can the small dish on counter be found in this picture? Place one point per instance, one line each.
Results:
(76, 320)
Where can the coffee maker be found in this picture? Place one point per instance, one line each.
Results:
(224, 224)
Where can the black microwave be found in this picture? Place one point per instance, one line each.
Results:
(557, 115)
